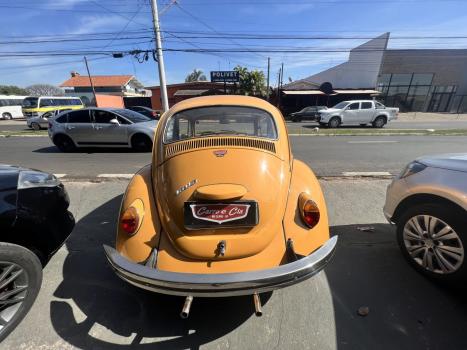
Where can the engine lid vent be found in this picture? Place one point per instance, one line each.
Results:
(184, 146)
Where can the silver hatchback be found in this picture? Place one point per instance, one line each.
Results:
(428, 203)
(102, 127)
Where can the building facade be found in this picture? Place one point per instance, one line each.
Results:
(183, 91)
(427, 80)
(115, 85)
(424, 80)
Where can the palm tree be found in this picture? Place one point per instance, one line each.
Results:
(196, 75)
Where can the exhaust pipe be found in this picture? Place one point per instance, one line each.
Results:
(257, 301)
(186, 307)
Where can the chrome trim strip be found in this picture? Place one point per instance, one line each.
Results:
(220, 285)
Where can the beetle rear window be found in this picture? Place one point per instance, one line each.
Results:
(220, 120)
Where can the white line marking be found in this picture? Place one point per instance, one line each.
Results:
(59, 176)
(373, 141)
(366, 173)
(124, 176)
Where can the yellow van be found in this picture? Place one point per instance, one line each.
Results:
(36, 106)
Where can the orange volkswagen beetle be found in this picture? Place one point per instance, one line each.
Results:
(224, 209)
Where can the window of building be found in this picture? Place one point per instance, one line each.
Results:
(401, 79)
(422, 79)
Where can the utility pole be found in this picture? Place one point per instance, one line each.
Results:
(90, 80)
(160, 58)
(267, 91)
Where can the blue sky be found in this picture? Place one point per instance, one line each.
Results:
(81, 19)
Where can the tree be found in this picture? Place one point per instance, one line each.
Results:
(251, 82)
(44, 90)
(12, 90)
(196, 75)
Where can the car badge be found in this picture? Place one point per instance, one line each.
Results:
(185, 187)
(220, 212)
(220, 153)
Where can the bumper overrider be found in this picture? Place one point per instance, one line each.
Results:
(224, 284)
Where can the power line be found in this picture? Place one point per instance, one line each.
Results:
(208, 26)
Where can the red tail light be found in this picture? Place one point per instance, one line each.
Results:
(309, 210)
(129, 220)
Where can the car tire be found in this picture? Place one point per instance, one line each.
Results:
(17, 261)
(64, 143)
(35, 126)
(7, 116)
(334, 122)
(141, 143)
(379, 122)
(427, 253)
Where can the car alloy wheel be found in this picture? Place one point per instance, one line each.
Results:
(379, 122)
(433, 244)
(35, 126)
(13, 291)
(334, 122)
(20, 281)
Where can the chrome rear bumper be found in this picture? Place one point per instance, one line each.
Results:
(221, 285)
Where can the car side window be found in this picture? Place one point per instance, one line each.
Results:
(62, 118)
(353, 106)
(122, 120)
(367, 105)
(80, 116)
(102, 117)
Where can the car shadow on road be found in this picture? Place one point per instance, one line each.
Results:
(94, 309)
(314, 125)
(406, 310)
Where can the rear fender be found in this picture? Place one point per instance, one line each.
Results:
(138, 247)
(305, 240)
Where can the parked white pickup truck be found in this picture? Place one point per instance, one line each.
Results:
(357, 112)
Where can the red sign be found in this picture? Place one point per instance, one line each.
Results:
(220, 153)
(220, 213)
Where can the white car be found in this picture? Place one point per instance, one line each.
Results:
(358, 113)
(102, 127)
(428, 204)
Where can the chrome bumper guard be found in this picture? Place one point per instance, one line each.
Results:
(224, 284)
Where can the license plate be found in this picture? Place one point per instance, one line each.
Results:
(220, 215)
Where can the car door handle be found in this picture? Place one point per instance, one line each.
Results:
(70, 127)
(98, 127)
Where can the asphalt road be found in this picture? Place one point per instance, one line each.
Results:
(328, 156)
(406, 124)
(82, 304)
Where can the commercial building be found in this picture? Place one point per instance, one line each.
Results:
(429, 80)
(182, 91)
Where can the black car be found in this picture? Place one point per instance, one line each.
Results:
(307, 113)
(148, 112)
(34, 223)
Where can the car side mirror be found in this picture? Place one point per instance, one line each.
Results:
(114, 121)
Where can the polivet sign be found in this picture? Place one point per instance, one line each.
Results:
(220, 213)
(225, 76)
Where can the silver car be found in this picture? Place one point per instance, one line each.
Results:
(42, 121)
(102, 127)
(428, 203)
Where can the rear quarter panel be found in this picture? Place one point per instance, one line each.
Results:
(305, 240)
